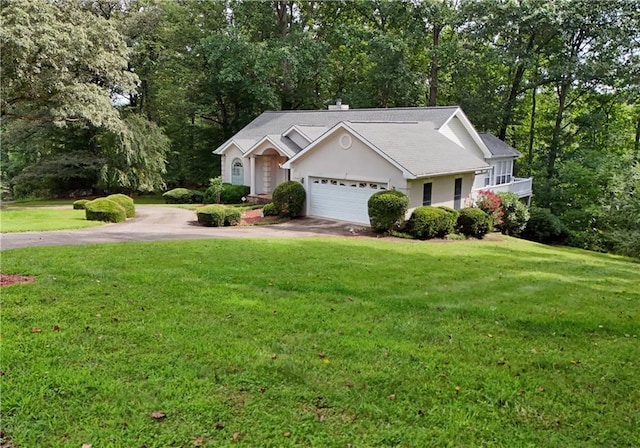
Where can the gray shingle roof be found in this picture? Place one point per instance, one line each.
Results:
(277, 122)
(418, 147)
(497, 147)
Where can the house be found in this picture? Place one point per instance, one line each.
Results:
(342, 156)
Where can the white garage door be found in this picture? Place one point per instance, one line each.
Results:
(341, 199)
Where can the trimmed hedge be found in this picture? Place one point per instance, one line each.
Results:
(269, 210)
(103, 209)
(211, 215)
(430, 222)
(183, 196)
(126, 202)
(233, 194)
(288, 199)
(80, 204)
(232, 216)
(474, 222)
(387, 210)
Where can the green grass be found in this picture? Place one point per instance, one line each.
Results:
(333, 341)
(36, 219)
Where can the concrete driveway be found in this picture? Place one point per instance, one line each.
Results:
(155, 223)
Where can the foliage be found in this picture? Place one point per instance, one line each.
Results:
(428, 222)
(178, 196)
(514, 214)
(387, 210)
(125, 202)
(473, 222)
(269, 210)
(232, 216)
(103, 209)
(544, 227)
(490, 203)
(197, 197)
(212, 194)
(288, 199)
(80, 204)
(233, 194)
(211, 215)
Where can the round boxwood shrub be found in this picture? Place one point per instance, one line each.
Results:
(430, 222)
(269, 210)
(177, 196)
(103, 209)
(211, 215)
(387, 210)
(473, 222)
(232, 216)
(233, 194)
(79, 204)
(126, 202)
(544, 227)
(288, 199)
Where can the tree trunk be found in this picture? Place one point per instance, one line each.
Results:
(554, 149)
(532, 130)
(433, 76)
(507, 115)
(636, 144)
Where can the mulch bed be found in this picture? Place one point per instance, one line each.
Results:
(10, 279)
(251, 217)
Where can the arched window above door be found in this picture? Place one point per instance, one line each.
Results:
(237, 172)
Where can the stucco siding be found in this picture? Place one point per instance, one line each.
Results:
(455, 131)
(442, 190)
(358, 162)
(227, 160)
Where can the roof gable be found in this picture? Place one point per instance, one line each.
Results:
(497, 147)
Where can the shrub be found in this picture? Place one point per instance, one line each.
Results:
(177, 196)
(79, 204)
(232, 216)
(387, 210)
(514, 214)
(430, 222)
(125, 202)
(233, 194)
(473, 222)
(544, 227)
(197, 197)
(211, 215)
(489, 202)
(288, 199)
(212, 194)
(103, 209)
(269, 210)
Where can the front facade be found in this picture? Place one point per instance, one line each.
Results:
(342, 157)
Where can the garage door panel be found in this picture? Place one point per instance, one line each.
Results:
(342, 200)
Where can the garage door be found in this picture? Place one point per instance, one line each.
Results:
(341, 199)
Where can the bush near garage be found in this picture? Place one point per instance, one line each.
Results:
(80, 204)
(126, 202)
(288, 199)
(211, 215)
(387, 210)
(232, 216)
(473, 222)
(430, 222)
(103, 209)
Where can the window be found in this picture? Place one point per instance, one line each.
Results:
(426, 193)
(503, 170)
(457, 194)
(237, 172)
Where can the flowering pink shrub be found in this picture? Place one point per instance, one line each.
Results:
(490, 203)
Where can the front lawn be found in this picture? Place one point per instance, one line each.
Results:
(39, 219)
(320, 342)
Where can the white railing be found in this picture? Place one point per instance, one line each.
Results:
(522, 186)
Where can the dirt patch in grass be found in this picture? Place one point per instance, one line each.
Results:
(252, 217)
(10, 279)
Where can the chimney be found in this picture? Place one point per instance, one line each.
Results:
(338, 105)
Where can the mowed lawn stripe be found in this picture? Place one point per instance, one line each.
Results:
(320, 342)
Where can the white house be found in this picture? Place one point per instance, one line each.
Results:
(342, 156)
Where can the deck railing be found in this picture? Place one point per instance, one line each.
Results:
(522, 186)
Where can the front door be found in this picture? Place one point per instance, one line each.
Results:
(237, 172)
